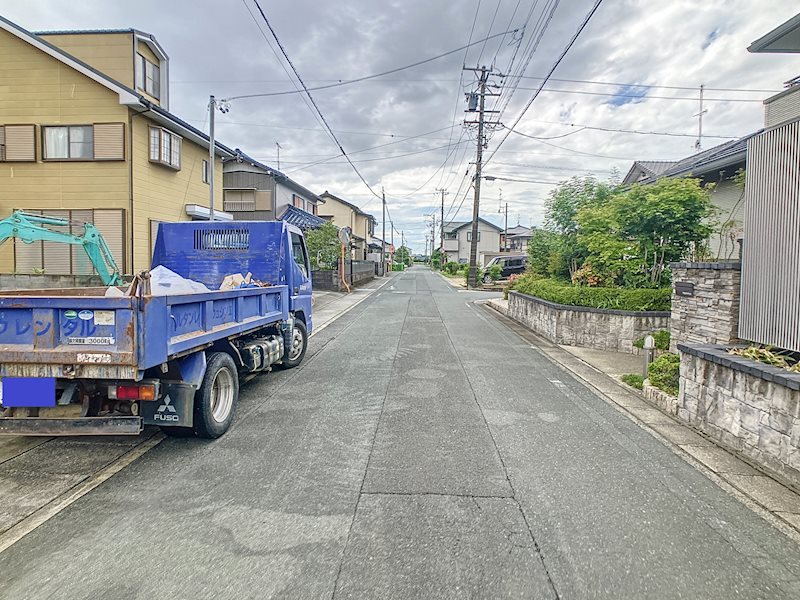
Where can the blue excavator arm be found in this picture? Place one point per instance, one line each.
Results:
(31, 228)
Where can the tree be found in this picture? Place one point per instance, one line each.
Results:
(632, 236)
(324, 247)
(403, 255)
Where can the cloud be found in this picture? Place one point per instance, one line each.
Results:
(217, 47)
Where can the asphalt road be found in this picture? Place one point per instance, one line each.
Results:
(422, 451)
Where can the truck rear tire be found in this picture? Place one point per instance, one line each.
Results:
(215, 401)
(295, 352)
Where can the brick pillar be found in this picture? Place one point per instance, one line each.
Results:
(705, 303)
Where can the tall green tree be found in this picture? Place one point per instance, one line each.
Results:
(403, 255)
(324, 247)
(632, 236)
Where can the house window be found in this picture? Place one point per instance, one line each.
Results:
(313, 208)
(165, 148)
(239, 200)
(297, 201)
(73, 142)
(469, 236)
(148, 76)
(451, 236)
(205, 171)
(17, 143)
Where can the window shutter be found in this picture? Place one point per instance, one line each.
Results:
(56, 260)
(20, 142)
(2, 143)
(27, 257)
(109, 141)
(81, 265)
(263, 200)
(110, 224)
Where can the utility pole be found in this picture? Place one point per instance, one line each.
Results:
(505, 235)
(441, 224)
(212, 105)
(472, 280)
(699, 144)
(383, 235)
(391, 257)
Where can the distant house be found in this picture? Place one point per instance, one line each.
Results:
(717, 165)
(345, 214)
(458, 239)
(254, 191)
(518, 238)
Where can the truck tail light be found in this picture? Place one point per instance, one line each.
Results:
(132, 392)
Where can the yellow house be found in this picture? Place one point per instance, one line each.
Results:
(86, 134)
(344, 214)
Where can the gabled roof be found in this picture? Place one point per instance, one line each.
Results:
(519, 230)
(302, 219)
(784, 38)
(357, 210)
(127, 96)
(454, 226)
(712, 160)
(149, 38)
(646, 169)
(282, 178)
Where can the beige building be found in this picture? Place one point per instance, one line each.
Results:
(86, 134)
(344, 214)
(458, 240)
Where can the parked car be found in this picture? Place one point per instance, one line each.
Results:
(510, 265)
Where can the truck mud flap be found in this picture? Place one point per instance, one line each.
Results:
(175, 408)
(62, 427)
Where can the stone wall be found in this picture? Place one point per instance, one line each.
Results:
(613, 330)
(362, 270)
(751, 408)
(709, 313)
(47, 282)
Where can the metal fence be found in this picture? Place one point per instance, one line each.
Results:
(770, 301)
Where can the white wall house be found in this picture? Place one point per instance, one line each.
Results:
(458, 238)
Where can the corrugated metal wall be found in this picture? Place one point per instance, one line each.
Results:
(770, 304)
(784, 107)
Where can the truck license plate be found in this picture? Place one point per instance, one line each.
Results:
(91, 341)
(31, 392)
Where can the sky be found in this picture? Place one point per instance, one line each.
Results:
(404, 131)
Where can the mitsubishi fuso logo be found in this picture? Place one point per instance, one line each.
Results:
(166, 412)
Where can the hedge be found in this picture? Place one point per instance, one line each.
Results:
(595, 297)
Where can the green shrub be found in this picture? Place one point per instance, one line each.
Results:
(664, 373)
(633, 380)
(436, 264)
(451, 268)
(662, 339)
(601, 297)
(495, 272)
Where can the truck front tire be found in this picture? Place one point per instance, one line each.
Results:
(215, 401)
(296, 350)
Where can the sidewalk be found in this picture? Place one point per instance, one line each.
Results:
(39, 475)
(600, 370)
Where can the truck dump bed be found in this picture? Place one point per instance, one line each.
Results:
(81, 333)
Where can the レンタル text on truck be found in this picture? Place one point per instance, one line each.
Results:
(86, 362)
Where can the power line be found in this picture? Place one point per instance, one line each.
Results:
(311, 98)
(366, 77)
(611, 129)
(572, 41)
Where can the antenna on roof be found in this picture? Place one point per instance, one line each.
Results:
(698, 145)
(277, 144)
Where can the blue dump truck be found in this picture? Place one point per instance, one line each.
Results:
(108, 361)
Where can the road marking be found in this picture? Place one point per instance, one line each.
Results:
(559, 384)
(55, 506)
